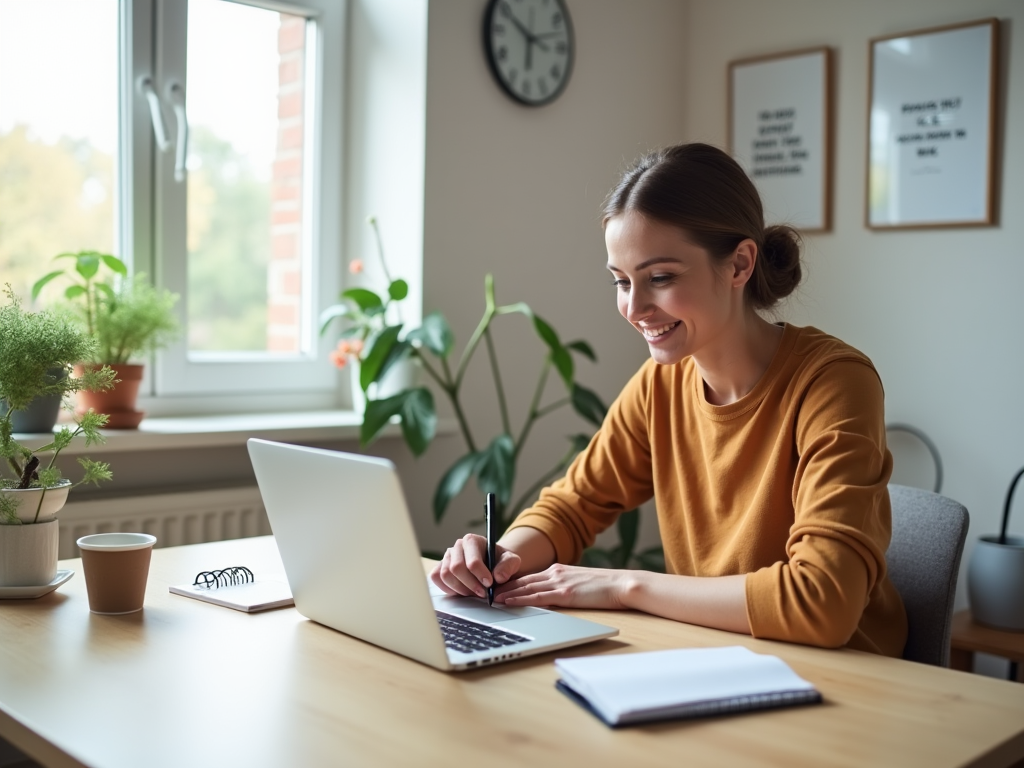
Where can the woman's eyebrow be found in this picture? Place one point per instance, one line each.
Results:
(650, 262)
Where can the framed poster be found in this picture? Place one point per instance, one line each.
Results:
(780, 131)
(931, 122)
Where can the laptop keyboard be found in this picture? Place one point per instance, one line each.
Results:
(468, 636)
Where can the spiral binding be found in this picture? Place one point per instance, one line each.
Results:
(225, 577)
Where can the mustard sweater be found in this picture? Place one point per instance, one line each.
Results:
(786, 485)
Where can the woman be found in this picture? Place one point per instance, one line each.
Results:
(762, 444)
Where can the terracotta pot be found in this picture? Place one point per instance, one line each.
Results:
(118, 403)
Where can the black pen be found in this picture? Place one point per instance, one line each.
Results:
(491, 523)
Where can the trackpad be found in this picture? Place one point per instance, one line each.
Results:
(477, 610)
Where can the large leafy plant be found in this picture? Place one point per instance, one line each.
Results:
(494, 463)
(33, 345)
(125, 315)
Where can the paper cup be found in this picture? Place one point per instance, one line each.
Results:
(116, 567)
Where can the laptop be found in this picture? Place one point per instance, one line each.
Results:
(350, 554)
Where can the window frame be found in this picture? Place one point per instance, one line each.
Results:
(153, 205)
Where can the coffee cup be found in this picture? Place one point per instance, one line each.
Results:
(116, 568)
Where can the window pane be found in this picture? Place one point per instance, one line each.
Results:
(245, 109)
(58, 134)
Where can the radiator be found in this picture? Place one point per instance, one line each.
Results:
(188, 517)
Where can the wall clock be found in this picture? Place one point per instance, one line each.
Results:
(529, 45)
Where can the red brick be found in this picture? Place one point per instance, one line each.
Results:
(281, 191)
(290, 138)
(285, 343)
(283, 314)
(289, 105)
(289, 168)
(291, 36)
(290, 284)
(289, 71)
(285, 216)
(285, 246)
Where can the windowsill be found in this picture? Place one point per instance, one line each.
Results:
(184, 432)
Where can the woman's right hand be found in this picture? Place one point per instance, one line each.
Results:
(463, 569)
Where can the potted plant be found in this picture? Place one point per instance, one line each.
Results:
(379, 348)
(32, 489)
(995, 576)
(126, 316)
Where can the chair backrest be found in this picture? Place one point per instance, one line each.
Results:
(928, 533)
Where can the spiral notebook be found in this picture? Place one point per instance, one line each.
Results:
(628, 689)
(237, 588)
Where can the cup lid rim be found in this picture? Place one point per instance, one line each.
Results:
(137, 541)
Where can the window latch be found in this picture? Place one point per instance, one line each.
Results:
(176, 94)
(159, 131)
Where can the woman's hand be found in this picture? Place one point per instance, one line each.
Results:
(463, 569)
(569, 586)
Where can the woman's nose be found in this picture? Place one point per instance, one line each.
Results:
(637, 306)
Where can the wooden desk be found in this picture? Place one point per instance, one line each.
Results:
(969, 638)
(185, 683)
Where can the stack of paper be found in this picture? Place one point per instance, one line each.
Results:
(634, 688)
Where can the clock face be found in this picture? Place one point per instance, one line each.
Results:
(530, 48)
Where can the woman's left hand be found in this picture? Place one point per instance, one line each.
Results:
(568, 586)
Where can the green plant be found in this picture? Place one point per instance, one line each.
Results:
(126, 316)
(495, 464)
(32, 346)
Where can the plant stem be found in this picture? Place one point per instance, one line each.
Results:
(502, 405)
(467, 353)
(553, 407)
(531, 415)
(452, 390)
(427, 367)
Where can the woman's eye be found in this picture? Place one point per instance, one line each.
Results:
(621, 284)
(660, 279)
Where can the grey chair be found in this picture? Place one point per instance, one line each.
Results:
(928, 533)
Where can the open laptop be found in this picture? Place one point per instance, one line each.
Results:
(349, 551)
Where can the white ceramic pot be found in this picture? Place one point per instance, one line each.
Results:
(995, 582)
(28, 554)
(47, 501)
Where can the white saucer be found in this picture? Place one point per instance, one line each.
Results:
(21, 593)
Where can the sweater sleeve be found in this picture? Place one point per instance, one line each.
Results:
(842, 518)
(612, 475)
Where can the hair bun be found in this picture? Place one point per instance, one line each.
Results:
(779, 272)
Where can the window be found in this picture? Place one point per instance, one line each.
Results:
(201, 141)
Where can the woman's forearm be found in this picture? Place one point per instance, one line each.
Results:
(535, 549)
(718, 602)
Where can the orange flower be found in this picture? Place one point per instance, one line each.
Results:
(355, 266)
(338, 359)
(355, 347)
(344, 347)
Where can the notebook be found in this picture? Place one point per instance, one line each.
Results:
(627, 689)
(237, 588)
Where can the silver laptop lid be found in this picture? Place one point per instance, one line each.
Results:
(348, 547)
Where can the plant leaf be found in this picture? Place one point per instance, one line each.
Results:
(583, 348)
(435, 334)
(378, 353)
(546, 332)
(377, 414)
(498, 468)
(419, 419)
(564, 365)
(588, 405)
(74, 291)
(398, 289)
(363, 298)
(42, 281)
(115, 264)
(87, 264)
(333, 312)
(106, 290)
(453, 481)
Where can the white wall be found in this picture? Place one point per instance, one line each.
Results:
(939, 311)
(516, 192)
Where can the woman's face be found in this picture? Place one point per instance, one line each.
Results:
(668, 288)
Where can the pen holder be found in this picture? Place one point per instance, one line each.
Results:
(995, 577)
(116, 569)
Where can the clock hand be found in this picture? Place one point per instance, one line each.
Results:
(531, 39)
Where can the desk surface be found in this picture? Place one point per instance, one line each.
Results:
(186, 683)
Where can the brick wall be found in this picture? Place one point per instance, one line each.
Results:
(284, 276)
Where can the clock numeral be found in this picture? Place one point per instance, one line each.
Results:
(542, 86)
(556, 19)
(502, 53)
(561, 47)
(499, 29)
(512, 75)
(556, 72)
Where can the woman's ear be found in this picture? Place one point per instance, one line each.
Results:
(744, 258)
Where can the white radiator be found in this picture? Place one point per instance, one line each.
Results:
(189, 517)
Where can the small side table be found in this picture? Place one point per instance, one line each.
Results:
(969, 638)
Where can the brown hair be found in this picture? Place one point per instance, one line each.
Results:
(703, 191)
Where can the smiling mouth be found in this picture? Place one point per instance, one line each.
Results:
(652, 334)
